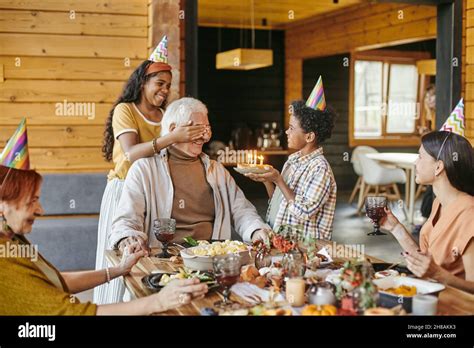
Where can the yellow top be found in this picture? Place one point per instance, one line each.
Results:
(26, 290)
(127, 118)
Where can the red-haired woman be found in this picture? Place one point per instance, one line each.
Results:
(30, 285)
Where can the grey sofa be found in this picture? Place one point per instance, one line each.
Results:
(67, 235)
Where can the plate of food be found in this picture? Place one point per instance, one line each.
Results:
(244, 168)
(392, 289)
(156, 281)
(200, 257)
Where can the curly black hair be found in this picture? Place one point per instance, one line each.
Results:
(131, 94)
(317, 121)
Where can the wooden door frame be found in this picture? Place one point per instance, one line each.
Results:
(448, 52)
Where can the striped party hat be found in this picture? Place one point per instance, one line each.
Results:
(160, 54)
(15, 154)
(455, 121)
(316, 100)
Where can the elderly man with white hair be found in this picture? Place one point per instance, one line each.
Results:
(181, 182)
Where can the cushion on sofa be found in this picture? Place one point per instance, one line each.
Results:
(65, 194)
(69, 244)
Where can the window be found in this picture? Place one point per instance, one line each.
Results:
(368, 98)
(385, 100)
(403, 110)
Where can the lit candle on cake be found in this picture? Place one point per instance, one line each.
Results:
(253, 163)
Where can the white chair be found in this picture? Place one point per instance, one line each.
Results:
(358, 169)
(376, 176)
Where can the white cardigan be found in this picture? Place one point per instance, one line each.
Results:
(148, 194)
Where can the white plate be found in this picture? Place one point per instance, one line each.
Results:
(422, 286)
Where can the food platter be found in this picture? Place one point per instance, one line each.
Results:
(200, 257)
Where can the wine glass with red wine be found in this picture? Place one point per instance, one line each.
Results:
(227, 272)
(375, 210)
(164, 229)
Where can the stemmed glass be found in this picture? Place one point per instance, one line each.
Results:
(293, 264)
(227, 272)
(375, 210)
(164, 230)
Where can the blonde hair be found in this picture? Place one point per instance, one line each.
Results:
(179, 113)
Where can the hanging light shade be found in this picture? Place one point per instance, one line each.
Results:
(244, 59)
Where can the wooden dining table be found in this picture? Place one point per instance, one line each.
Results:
(451, 301)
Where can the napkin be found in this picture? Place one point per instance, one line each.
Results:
(253, 294)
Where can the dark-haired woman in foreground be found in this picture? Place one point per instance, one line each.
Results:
(446, 251)
(305, 192)
(135, 121)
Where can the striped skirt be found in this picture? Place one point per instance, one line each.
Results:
(109, 292)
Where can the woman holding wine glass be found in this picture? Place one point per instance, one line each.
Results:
(446, 250)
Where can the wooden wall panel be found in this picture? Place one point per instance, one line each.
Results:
(72, 46)
(390, 35)
(46, 114)
(64, 68)
(20, 21)
(68, 160)
(360, 27)
(54, 52)
(133, 7)
(58, 91)
(59, 136)
(355, 28)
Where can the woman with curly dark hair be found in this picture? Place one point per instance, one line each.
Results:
(305, 192)
(132, 131)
